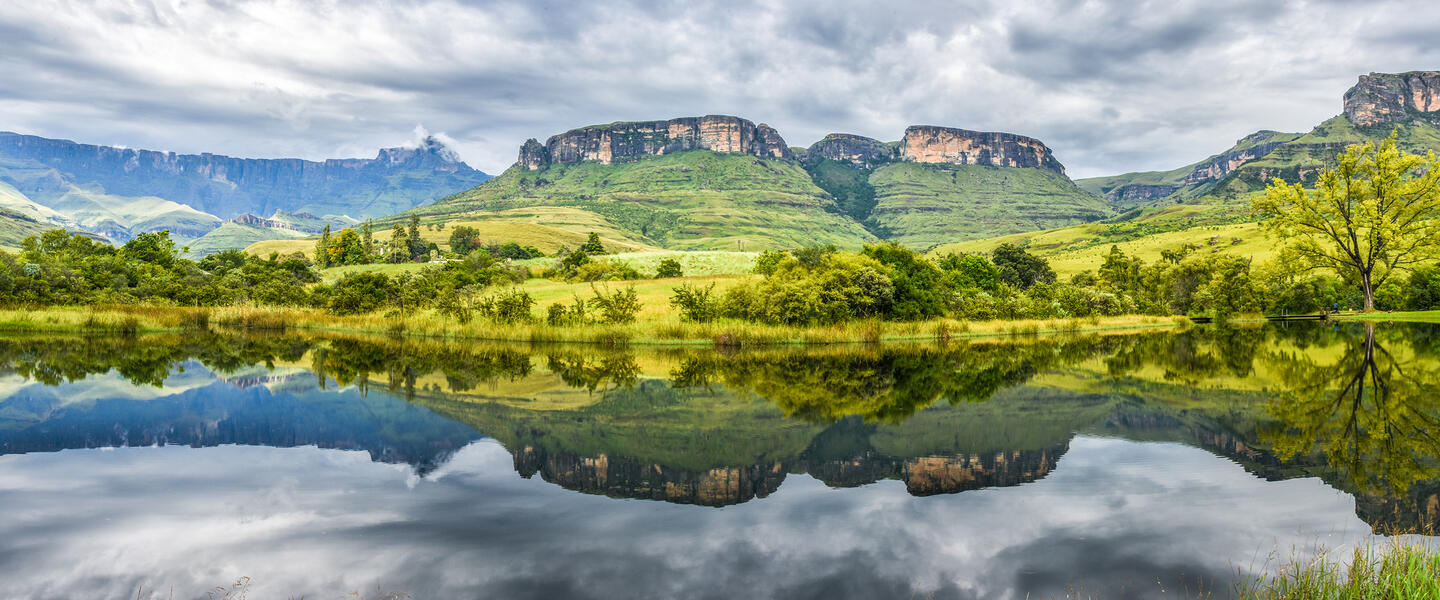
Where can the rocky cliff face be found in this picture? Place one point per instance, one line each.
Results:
(1380, 98)
(1250, 147)
(859, 151)
(396, 179)
(930, 144)
(624, 477)
(1139, 193)
(625, 141)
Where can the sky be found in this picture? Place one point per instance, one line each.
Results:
(1110, 87)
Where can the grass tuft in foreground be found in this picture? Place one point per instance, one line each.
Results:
(1397, 572)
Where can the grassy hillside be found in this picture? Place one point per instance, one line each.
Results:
(688, 200)
(921, 205)
(565, 227)
(234, 235)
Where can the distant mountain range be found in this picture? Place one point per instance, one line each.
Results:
(117, 193)
(712, 182)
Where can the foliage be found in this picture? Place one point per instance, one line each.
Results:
(592, 245)
(669, 267)
(616, 307)
(696, 304)
(1019, 268)
(359, 293)
(1375, 213)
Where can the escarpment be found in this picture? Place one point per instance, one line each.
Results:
(931, 144)
(858, 151)
(1380, 98)
(626, 141)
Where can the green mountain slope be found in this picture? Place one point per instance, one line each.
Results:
(687, 200)
(234, 236)
(921, 205)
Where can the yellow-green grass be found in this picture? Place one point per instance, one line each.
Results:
(562, 228)
(1074, 249)
(659, 324)
(1401, 571)
(1423, 316)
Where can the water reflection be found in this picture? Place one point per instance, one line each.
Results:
(1353, 405)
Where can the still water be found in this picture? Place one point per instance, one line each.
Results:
(1158, 465)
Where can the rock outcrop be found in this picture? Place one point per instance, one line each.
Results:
(1139, 193)
(858, 151)
(1250, 147)
(1380, 98)
(930, 144)
(625, 141)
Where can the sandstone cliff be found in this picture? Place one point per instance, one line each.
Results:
(859, 151)
(930, 144)
(1380, 98)
(1248, 148)
(624, 141)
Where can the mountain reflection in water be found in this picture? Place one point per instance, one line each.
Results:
(1354, 405)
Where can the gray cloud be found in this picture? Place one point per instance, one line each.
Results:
(1112, 87)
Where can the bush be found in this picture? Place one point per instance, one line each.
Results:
(508, 307)
(669, 267)
(618, 307)
(696, 304)
(359, 293)
(1422, 289)
(769, 261)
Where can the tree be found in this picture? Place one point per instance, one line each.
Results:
(592, 245)
(399, 246)
(668, 267)
(322, 248)
(367, 236)
(463, 239)
(347, 249)
(1020, 268)
(1373, 214)
(418, 250)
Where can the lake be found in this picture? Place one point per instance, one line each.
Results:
(1145, 465)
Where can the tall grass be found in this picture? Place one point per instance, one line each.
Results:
(662, 329)
(1400, 571)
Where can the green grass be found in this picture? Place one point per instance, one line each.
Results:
(234, 235)
(1426, 316)
(697, 200)
(922, 205)
(658, 323)
(1399, 572)
(1083, 247)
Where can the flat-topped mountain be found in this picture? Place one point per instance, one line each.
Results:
(624, 141)
(1380, 98)
(948, 145)
(1379, 103)
(721, 182)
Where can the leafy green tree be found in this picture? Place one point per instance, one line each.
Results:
(464, 239)
(367, 236)
(360, 293)
(592, 245)
(1019, 268)
(322, 248)
(1422, 290)
(418, 250)
(347, 249)
(1373, 214)
(969, 271)
(695, 303)
(669, 267)
(399, 245)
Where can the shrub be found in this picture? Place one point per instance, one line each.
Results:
(696, 304)
(359, 293)
(769, 261)
(618, 307)
(669, 267)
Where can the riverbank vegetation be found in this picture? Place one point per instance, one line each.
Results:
(1398, 572)
(505, 290)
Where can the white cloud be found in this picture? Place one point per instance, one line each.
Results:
(1111, 87)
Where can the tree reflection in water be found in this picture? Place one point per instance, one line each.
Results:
(1374, 414)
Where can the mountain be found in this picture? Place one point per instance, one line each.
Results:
(119, 192)
(1379, 103)
(940, 184)
(722, 182)
(713, 182)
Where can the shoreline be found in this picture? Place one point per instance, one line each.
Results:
(656, 332)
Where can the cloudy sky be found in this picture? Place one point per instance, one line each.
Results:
(1112, 87)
